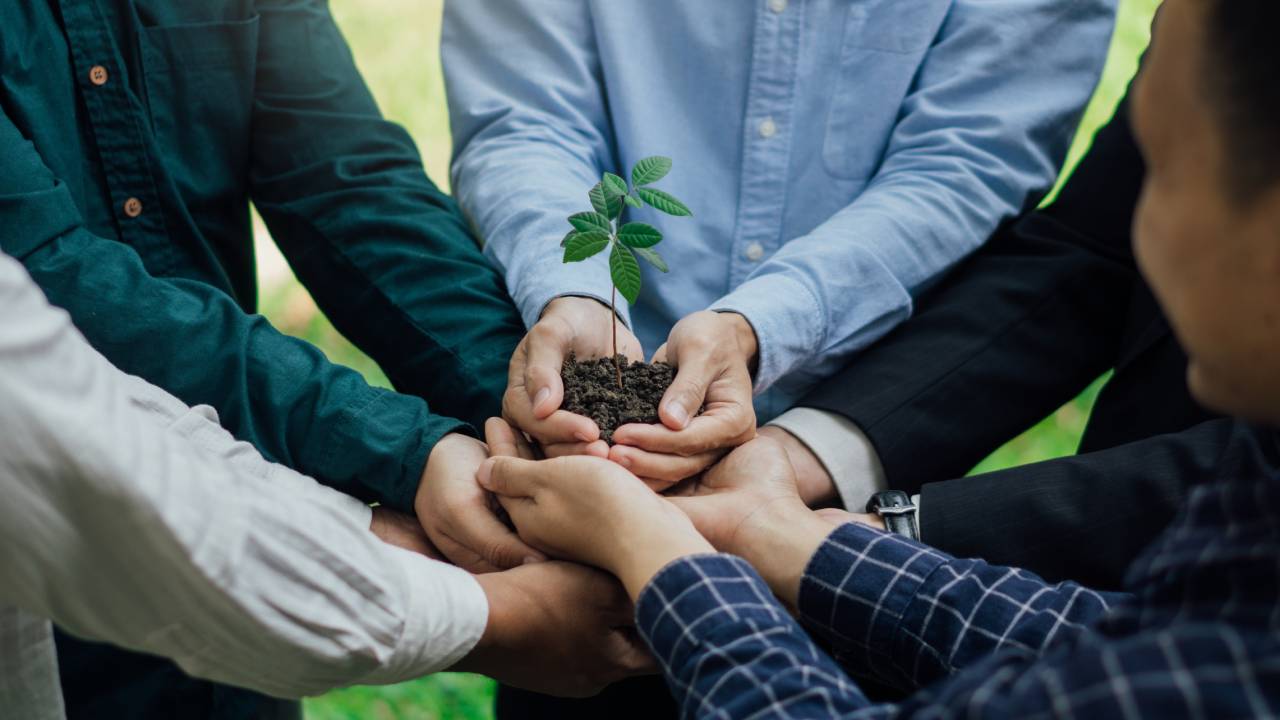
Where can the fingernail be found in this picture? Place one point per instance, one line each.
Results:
(583, 437)
(541, 397)
(531, 560)
(623, 460)
(678, 413)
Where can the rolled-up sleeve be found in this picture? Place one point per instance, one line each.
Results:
(132, 519)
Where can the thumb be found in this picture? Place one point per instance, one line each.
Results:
(687, 392)
(509, 477)
(549, 343)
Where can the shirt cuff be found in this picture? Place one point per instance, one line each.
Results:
(684, 605)
(787, 319)
(860, 583)
(843, 449)
(445, 614)
(589, 278)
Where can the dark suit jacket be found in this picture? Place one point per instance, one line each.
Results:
(1050, 304)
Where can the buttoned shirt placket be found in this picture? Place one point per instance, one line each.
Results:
(114, 113)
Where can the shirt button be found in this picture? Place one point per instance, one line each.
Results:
(755, 251)
(98, 75)
(133, 207)
(778, 6)
(768, 128)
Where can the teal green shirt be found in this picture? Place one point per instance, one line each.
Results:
(134, 135)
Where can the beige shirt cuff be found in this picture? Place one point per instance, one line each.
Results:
(843, 449)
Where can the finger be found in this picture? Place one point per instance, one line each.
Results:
(663, 469)
(694, 374)
(548, 343)
(560, 427)
(717, 428)
(511, 477)
(661, 355)
(501, 438)
(598, 449)
(484, 535)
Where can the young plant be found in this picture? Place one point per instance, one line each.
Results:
(602, 228)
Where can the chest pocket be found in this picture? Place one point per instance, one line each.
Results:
(200, 88)
(885, 43)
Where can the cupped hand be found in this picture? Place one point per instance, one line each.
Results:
(713, 354)
(753, 480)
(558, 628)
(457, 514)
(592, 511)
(535, 391)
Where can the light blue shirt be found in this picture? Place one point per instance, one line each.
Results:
(838, 155)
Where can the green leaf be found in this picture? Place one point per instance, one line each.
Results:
(566, 239)
(625, 272)
(650, 170)
(652, 257)
(605, 203)
(664, 202)
(639, 235)
(633, 201)
(591, 221)
(615, 185)
(583, 245)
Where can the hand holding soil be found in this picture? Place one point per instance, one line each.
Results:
(534, 401)
(708, 409)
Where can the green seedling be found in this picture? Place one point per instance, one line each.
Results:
(602, 228)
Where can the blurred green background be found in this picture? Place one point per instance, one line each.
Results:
(396, 43)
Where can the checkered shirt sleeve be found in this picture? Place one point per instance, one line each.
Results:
(908, 615)
(1003, 644)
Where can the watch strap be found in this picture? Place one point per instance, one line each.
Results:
(897, 511)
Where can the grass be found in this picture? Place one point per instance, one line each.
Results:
(396, 43)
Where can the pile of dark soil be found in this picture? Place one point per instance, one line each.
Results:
(591, 389)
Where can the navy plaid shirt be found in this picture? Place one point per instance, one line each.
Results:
(1197, 635)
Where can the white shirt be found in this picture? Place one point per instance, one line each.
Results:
(129, 518)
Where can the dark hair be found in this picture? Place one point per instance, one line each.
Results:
(1243, 47)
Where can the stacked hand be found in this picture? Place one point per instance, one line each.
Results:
(587, 509)
(553, 627)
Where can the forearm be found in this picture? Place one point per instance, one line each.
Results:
(910, 615)
(728, 649)
(385, 253)
(298, 409)
(937, 193)
(134, 520)
(527, 152)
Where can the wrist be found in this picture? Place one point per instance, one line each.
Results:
(450, 444)
(638, 564)
(496, 635)
(779, 540)
(744, 335)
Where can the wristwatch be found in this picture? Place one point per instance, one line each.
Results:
(897, 511)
